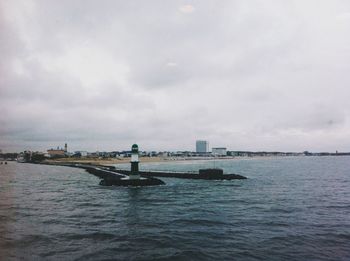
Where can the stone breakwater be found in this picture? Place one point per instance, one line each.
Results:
(184, 175)
(109, 175)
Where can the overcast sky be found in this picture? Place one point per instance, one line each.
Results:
(246, 75)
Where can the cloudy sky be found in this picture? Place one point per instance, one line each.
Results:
(247, 75)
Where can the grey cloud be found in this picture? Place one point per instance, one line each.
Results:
(246, 75)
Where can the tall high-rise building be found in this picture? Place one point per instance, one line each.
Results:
(202, 146)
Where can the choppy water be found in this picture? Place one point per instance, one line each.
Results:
(288, 209)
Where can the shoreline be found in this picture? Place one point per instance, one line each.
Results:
(115, 161)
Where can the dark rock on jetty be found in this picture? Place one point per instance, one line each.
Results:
(132, 182)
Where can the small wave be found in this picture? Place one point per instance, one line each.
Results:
(338, 207)
(198, 222)
(95, 236)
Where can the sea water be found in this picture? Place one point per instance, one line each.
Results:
(293, 208)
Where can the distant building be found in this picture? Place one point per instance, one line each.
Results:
(84, 153)
(56, 153)
(202, 146)
(163, 154)
(219, 151)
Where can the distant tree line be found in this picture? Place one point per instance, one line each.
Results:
(9, 156)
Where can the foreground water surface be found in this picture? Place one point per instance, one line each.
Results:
(295, 208)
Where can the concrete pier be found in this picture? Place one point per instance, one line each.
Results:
(185, 175)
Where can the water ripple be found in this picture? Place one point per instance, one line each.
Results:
(288, 209)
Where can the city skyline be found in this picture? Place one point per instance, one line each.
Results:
(201, 147)
(262, 76)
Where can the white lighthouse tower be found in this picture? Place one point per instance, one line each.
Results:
(134, 162)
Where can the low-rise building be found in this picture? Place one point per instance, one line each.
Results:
(219, 151)
(53, 153)
(58, 152)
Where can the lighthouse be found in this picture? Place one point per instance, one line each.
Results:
(134, 162)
